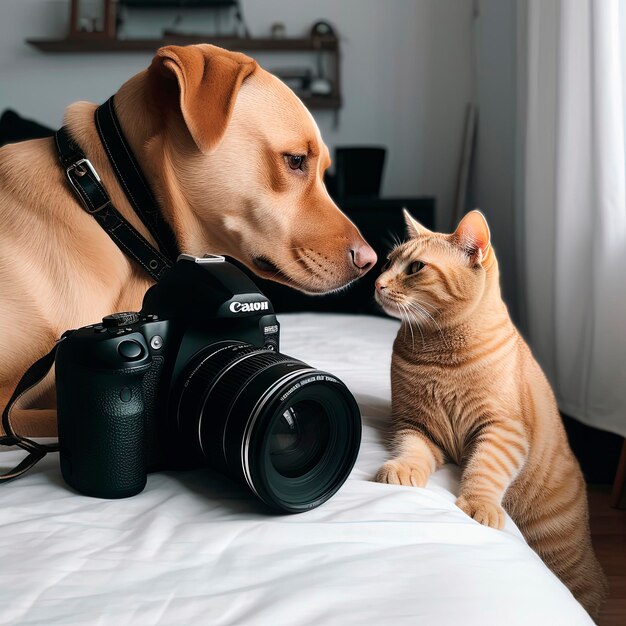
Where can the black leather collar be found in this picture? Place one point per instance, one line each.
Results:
(94, 198)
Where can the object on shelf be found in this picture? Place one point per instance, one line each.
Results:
(296, 78)
(278, 30)
(93, 19)
(322, 29)
(321, 85)
(226, 15)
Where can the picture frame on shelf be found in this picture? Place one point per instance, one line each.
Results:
(93, 19)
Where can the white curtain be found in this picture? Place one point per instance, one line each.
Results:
(573, 201)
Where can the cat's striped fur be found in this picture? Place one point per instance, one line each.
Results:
(466, 389)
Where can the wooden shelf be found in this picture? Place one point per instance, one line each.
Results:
(87, 44)
(96, 44)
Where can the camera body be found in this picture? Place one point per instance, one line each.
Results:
(196, 379)
(115, 379)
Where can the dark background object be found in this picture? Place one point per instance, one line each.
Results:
(155, 4)
(618, 495)
(597, 451)
(13, 128)
(359, 171)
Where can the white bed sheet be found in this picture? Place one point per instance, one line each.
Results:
(193, 550)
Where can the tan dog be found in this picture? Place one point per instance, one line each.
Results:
(237, 164)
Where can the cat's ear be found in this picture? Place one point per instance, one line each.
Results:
(413, 227)
(473, 235)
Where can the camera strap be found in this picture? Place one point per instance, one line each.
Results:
(36, 451)
(88, 188)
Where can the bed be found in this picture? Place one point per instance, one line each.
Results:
(195, 549)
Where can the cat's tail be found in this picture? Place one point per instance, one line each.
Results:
(556, 526)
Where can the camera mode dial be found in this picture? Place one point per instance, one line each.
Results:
(116, 320)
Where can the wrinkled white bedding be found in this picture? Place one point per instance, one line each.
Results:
(192, 549)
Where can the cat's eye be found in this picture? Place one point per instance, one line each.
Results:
(414, 267)
(386, 266)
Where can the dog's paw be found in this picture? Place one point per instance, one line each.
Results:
(483, 511)
(402, 471)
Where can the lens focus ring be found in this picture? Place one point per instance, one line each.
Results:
(210, 390)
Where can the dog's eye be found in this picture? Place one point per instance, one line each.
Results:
(295, 161)
(414, 267)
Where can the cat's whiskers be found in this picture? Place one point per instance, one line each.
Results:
(405, 322)
(419, 308)
(416, 319)
(433, 308)
(395, 240)
(410, 317)
(411, 329)
(417, 323)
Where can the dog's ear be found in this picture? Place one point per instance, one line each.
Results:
(203, 81)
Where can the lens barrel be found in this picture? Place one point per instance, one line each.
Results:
(290, 432)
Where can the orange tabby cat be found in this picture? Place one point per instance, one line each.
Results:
(466, 388)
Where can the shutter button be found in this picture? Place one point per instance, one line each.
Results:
(130, 350)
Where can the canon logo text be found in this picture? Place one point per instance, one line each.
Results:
(247, 307)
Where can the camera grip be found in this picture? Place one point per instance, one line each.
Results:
(101, 430)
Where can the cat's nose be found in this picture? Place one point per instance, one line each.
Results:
(380, 285)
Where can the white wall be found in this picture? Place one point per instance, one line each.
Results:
(495, 158)
(405, 67)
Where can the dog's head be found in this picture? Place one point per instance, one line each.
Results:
(245, 159)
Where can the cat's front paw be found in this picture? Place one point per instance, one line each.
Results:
(403, 472)
(485, 512)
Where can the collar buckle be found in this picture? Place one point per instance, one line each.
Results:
(75, 171)
(80, 168)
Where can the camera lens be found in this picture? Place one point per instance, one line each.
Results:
(299, 438)
(290, 432)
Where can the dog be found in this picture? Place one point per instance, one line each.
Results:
(236, 162)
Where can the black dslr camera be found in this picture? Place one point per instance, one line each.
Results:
(196, 379)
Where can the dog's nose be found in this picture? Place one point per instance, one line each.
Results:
(363, 257)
